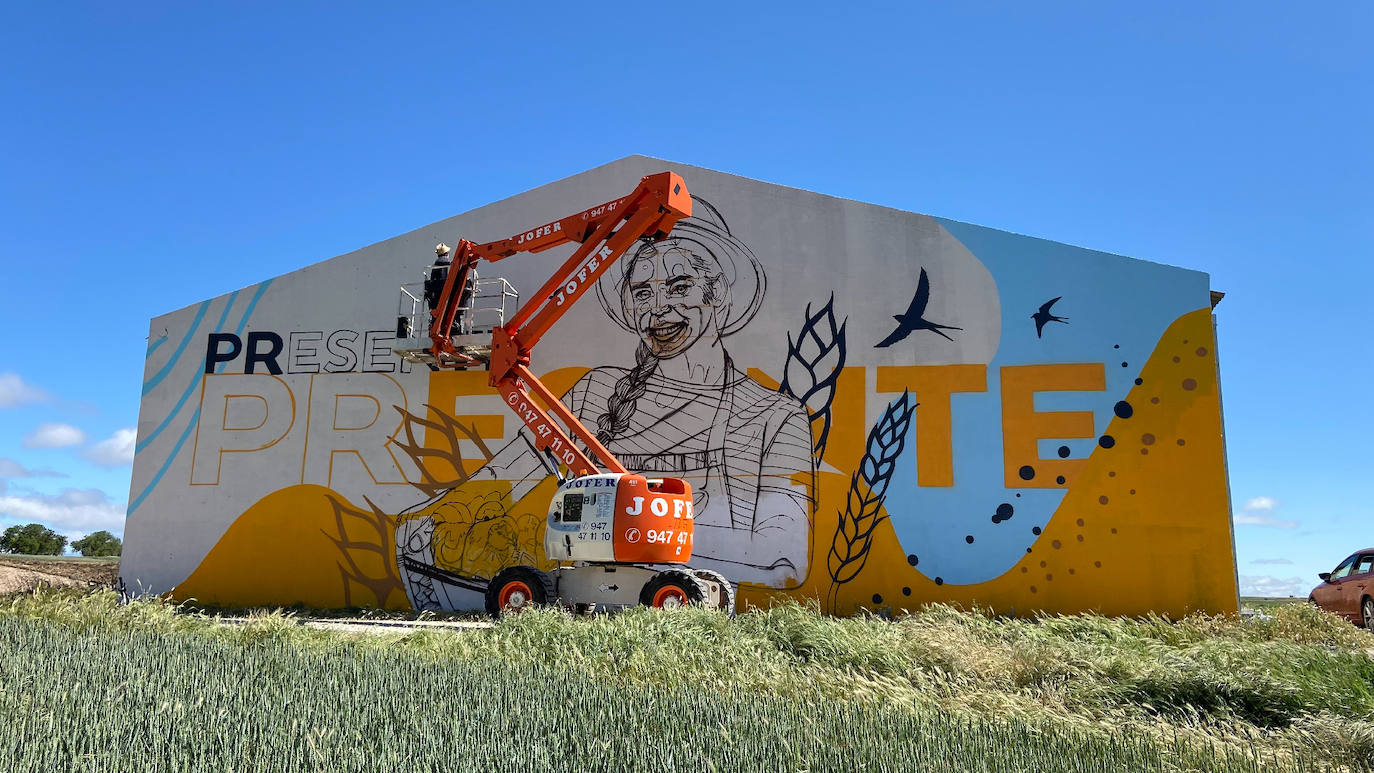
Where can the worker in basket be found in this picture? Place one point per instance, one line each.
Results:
(434, 288)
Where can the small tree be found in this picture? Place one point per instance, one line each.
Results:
(33, 539)
(98, 543)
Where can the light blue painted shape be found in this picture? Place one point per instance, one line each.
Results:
(248, 312)
(190, 386)
(151, 383)
(1110, 301)
(157, 478)
(195, 416)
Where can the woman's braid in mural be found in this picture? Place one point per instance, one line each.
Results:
(628, 390)
(621, 405)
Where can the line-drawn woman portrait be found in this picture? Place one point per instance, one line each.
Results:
(686, 410)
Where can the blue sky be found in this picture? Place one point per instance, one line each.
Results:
(157, 154)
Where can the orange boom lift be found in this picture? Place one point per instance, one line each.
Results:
(605, 527)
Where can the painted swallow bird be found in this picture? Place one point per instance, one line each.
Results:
(914, 318)
(1044, 316)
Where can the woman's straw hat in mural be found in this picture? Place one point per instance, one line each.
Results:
(707, 234)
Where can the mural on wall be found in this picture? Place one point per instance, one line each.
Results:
(886, 433)
(684, 410)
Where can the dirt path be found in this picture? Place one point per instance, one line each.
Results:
(21, 573)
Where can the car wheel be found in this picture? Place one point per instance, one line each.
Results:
(1367, 612)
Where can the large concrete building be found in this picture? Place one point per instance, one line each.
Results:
(875, 409)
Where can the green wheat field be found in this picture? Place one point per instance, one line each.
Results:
(88, 684)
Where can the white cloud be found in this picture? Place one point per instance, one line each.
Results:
(1259, 511)
(1282, 561)
(114, 451)
(14, 392)
(83, 510)
(1264, 519)
(12, 469)
(54, 435)
(1263, 585)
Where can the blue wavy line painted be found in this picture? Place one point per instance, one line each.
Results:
(195, 417)
(153, 346)
(252, 304)
(190, 387)
(151, 383)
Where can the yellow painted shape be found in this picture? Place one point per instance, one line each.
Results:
(931, 387)
(1023, 426)
(301, 545)
(1144, 528)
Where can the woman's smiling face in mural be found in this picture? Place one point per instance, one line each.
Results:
(670, 301)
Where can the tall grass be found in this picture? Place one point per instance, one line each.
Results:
(783, 688)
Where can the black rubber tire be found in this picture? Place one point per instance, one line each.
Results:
(539, 583)
(728, 603)
(692, 588)
(1367, 612)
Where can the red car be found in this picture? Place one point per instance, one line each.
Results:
(1348, 590)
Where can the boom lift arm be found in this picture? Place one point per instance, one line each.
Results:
(605, 233)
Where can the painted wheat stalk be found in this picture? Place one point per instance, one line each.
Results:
(450, 429)
(867, 491)
(814, 362)
(366, 542)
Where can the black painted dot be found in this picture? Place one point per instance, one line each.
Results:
(1063, 452)
(1018, 495)
(1125, 364)
(1035, 530)
(969, 539)
(1060, 480)
(1139, 381)
(913, 560)
(1106, 441)
(1028, 550)
(1123, 409)
(906, 591)
(877, 598)
(1027, 472)
(1005, 510)
(1116, 346)
(939, 581)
